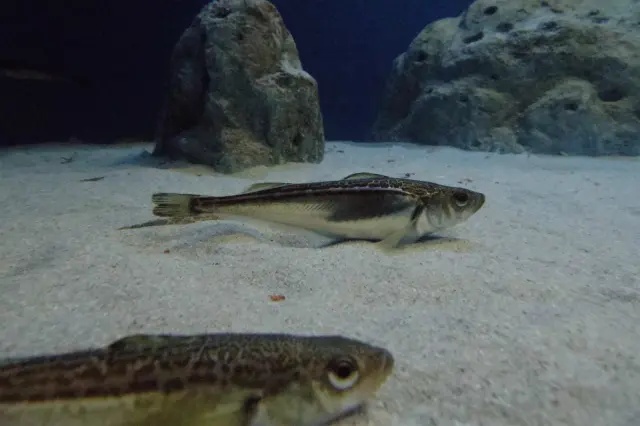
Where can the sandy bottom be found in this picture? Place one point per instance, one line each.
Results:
(528, 314)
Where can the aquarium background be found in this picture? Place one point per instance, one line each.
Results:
(118, 57)
(527, 313)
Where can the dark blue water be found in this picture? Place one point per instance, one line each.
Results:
(348, 46)
(121, 53)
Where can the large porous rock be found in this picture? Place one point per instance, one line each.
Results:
(541, 76)
(238, 96)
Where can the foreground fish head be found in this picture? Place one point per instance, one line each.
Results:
(213, 379)
(339, 376)
(448, 206)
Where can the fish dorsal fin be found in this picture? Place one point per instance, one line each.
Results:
(138, 342)
(262, 186)
(365, 175)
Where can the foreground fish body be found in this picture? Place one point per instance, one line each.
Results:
(361, 206)
(212, 380)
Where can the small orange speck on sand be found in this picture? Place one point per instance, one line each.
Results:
(277, 297)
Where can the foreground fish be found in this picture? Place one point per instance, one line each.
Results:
(363, 206)
(201, 380)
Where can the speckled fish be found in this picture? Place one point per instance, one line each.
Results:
(362, 206)
(200, 380)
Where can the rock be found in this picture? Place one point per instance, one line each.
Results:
(521, 75)
(238, 96)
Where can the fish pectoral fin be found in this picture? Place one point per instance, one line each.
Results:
(408, 234)
(169, 204)
(262, 186)
(232, 418)
(365, 175)
(237, 408)
(395, 239)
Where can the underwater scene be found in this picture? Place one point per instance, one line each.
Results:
(287, 213)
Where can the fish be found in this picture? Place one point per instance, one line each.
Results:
(361, 206)
(225, 379)
(19, 71)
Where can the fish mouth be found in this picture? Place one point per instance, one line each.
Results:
(354, 410)
(388, 363)
(481, 200)
(477, 202)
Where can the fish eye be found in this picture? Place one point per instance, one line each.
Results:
(342, 373)
(461, 198)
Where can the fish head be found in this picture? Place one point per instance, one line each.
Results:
(338, 376)
(447, 206)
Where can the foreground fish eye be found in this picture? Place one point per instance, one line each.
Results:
(343, 373)
(461, 198)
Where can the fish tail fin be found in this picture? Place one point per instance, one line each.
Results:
(173, 205)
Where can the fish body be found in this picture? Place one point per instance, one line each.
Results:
(198, 380)
(19, 71)
(360, 206)
(28, 74)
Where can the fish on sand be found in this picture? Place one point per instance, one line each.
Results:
(196, 380)
(362, 206)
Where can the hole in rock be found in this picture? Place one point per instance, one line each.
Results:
(473, 38)
(421, 56)
(223, 12)
(571, 106)
(297, 140)
(504, 27)
(285, 80)
(610, 95)
(597, 17)
(549, 26)
(490, 10)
